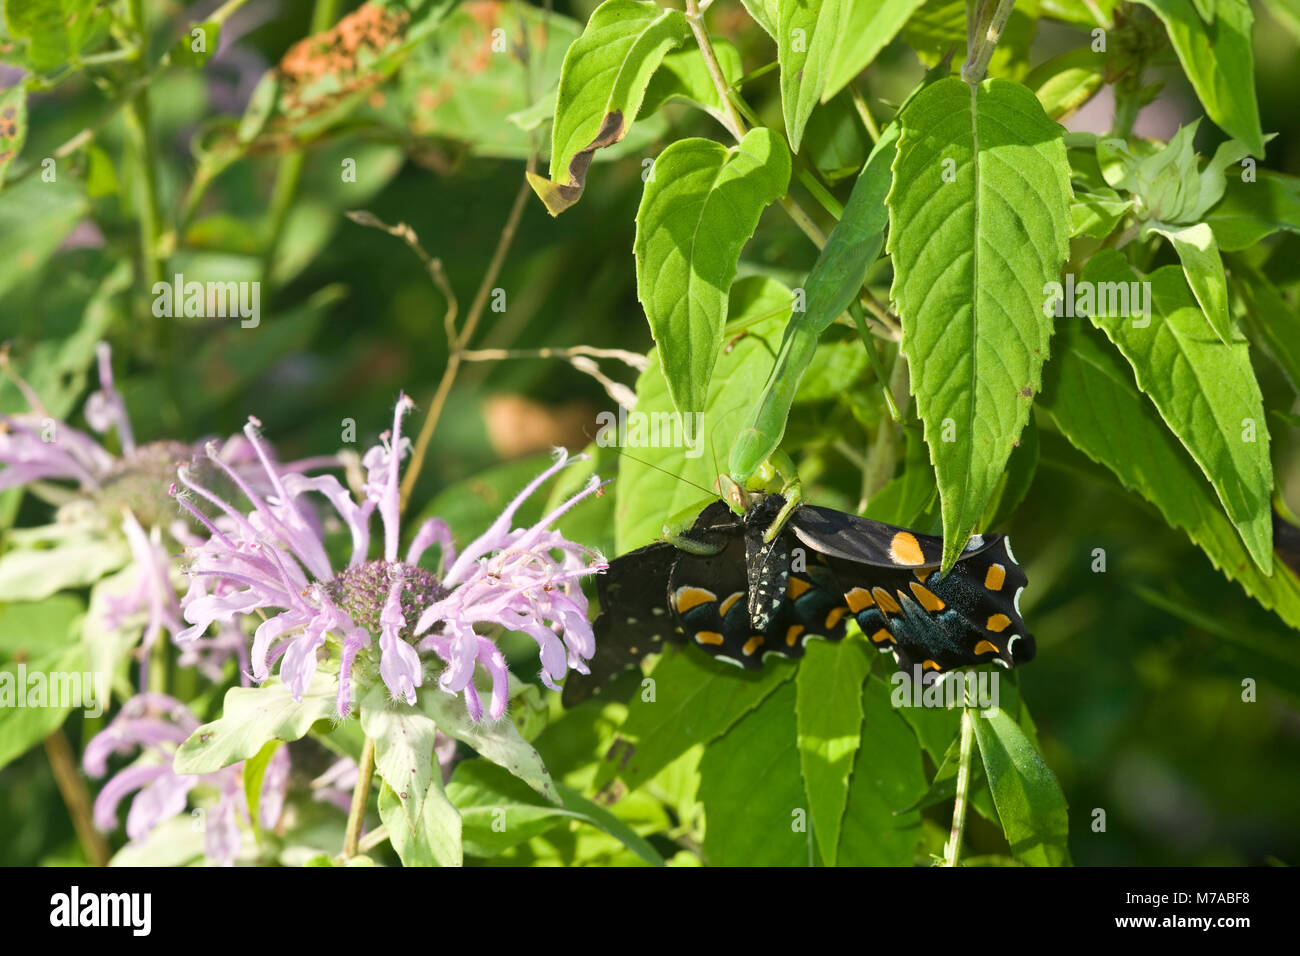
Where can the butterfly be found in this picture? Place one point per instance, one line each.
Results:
(743, 597)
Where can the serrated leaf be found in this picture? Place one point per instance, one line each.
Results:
(1205, 391)
(756, 811)
(252, 716)
(1219, 61)
(696, 214)
(974, 241)
(807, 35)
(1091, 395)
(605, 74)
(1030, 803)
(1270, 318)
(829, 710)
(887, 778)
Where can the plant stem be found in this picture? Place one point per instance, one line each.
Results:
(72, 787)
(731, 119)
(980, 49)
(323, 15)
(952, 851)
(860, 104)
(137, 125)
(360, 797)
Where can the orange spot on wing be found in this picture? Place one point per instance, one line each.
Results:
(881, 636)
(753, 644)
(929, 600)
(905, 549)
(995, 578)
(708, 637)
(929, 665)
(792, 634)
(986, 647)
(858, 598)
(796, 587)
(885, 602)
(729, 602)
(833, 618)
(688, 597)
(998, 623)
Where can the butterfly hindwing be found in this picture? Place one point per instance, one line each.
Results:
(634, 619)
(847, 537)
(971, 616)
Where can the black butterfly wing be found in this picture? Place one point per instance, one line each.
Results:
(634, 619)
(847, 537)
(935, 623)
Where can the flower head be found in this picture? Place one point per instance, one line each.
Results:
(272, 561)
(156, 725)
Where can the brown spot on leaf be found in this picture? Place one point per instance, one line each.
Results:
(1027, 392)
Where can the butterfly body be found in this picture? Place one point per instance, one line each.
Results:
(740, 598)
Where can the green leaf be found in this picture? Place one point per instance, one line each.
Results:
(661, 480)
(1205, 391)
(13, 125)
(887, 779)
(1091, 395)
(867, 31)
(765, 14)
(1030, 804)
(1203, 269)
(423, 826)
(429, 837)
(32, 629)
(1269, 318)
(697, 212)
(499, 741)
(29, 574)
(1065, 82)
(196, 45)
(979, 220)
(252, 716)
(254, 774)
(756, 811)
(834, 281)
(696, 700)
(58, 206)
(1015, 482)
(684, 77)
(1219, 61)
(829, 711)
(606, 71)
(807, 35)
(1097, 214)
(500, 813)
(29, 710)
(1249, 211)
(56, 31)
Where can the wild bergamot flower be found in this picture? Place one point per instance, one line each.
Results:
(271, 561)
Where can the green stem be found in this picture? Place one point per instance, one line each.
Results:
(137, 125)
(952, 851)
(984, 43)
(360, 797)
(72, 787)
(860, 104)
(287, 176)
